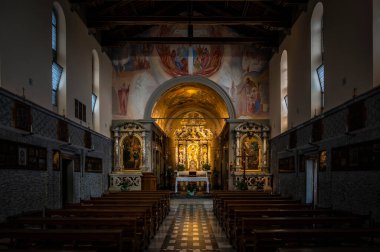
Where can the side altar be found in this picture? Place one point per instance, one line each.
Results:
(129, 157)
(249, 169)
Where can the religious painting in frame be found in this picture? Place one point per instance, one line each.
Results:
(286, 165)
(250, 153)
(323, 161)
(56, 160)
(93, 165)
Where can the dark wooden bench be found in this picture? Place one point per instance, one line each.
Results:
(94, 237)
(248, 223)
(332, 249)
(271, 239)
(158, 207)
(125, 212)
(228, 210)
(133, 226)
(235, 219)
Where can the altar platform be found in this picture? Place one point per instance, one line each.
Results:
(192, 176)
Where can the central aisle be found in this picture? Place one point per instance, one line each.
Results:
(190, 226)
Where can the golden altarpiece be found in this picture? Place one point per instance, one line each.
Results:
(193, 143)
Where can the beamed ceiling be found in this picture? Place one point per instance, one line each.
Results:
(260, 23)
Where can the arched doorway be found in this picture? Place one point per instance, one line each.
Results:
(192, 112)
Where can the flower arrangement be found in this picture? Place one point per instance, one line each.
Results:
(260, 185)
(125, 185)
(191, 187)
(206, 167)
(241, 185)
(180, 167)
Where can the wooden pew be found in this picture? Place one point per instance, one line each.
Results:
(125, 212)
(271, 239)
(227, 211)
(153, 215)
(248, 223)
(133, 227)
(93, 237)
(332, 249)
(244, 196)
(158, 207)
(164, 201)
(165, 195)
(238, 214)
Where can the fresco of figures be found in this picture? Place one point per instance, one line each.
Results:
(242, 71)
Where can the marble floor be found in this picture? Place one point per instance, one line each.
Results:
(190, 226)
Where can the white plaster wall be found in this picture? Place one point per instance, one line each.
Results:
(275, 94)
(348, 47)
(25, 52)
(25, 48)
(376, 42)
(105, 94)
(348, 54)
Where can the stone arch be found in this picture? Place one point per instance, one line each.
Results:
(183, 79)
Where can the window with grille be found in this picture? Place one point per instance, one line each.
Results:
(56, 68)
(80, 110)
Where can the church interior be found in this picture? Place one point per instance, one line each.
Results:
(189, 125)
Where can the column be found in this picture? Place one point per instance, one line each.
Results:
(238, 153)
(117, 166)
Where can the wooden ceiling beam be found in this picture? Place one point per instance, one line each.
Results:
(259, 41)
(164, 20)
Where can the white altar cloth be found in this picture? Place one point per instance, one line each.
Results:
(191, 179)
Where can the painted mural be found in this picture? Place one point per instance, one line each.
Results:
(180, 60)
(242, 71)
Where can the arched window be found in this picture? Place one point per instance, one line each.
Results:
(317, 64)
(95, 91)
(56, 68)
(284, 91)
(58, 45)
(376, 42)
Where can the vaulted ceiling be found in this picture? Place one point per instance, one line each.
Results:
(260, 23)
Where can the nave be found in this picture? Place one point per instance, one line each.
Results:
(190, 226)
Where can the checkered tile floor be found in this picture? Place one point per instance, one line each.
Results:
(190, 231)
(190, 227)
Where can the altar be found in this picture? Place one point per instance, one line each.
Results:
(196, 176)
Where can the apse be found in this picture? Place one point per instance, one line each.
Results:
(192, 115)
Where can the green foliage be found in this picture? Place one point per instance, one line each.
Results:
(191, 187)
(241, 185)
(206, 167)
(180, 167)
(125, 185)
(260, 185)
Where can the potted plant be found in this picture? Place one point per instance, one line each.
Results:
(191, 187)
(241, 185)
(260, 186)
(125, 185)
(206, 167)
(180, 167)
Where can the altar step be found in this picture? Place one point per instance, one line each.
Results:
(184, 195)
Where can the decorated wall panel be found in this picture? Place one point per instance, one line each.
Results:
(242, 71)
